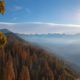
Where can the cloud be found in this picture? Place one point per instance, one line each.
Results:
(17, 8)
(41, 28)
(5, 23)
(52, 24)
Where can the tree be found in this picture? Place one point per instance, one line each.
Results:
(2, 7)
(3, 39)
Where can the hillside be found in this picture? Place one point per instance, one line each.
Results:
(20, 60)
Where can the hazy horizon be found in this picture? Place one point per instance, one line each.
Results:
(40, 28)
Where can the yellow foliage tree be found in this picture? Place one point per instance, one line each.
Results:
(3, 39)
(2, 7)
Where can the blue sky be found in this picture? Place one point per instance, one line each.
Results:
(55, 11)
(40, 12)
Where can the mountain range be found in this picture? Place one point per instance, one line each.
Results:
(22, 60)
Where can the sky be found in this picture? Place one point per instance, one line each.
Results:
(65, 12)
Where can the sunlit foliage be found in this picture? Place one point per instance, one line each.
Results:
(3, 39)
(2, 7)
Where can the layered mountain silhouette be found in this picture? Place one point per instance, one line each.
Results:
(21, 60)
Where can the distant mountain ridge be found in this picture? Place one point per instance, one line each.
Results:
(49, 34)
(56, 35)
(5, 31)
